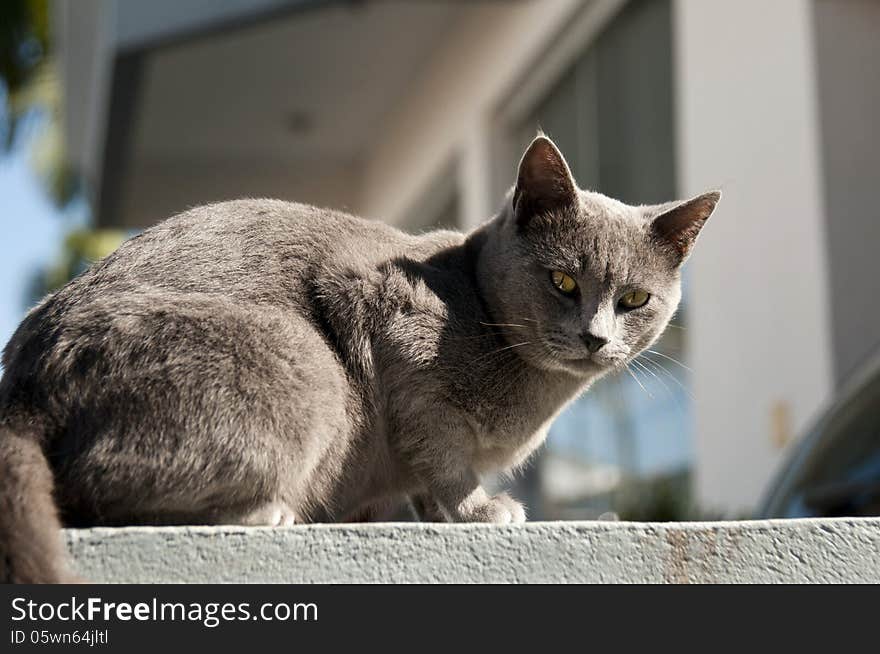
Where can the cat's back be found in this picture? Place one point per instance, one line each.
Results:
(256, 251)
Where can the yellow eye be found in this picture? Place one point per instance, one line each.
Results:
(634, 299)
(563, 282)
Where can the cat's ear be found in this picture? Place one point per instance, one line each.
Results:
(677, 225)
(544, 183)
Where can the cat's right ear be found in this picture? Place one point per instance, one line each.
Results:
(544, 183)
(677, 224)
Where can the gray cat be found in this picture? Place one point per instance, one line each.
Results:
(265, 363)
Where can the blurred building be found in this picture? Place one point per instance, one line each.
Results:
(415, 113)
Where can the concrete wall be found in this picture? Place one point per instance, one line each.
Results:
(759, 337)
(789, 551)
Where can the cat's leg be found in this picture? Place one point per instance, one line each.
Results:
(271, 514)
(442, 466)
(379, 511)
(426, 508)
(463, 499)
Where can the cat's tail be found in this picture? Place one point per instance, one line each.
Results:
(31, 550)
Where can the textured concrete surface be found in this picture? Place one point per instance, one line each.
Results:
(793, 551)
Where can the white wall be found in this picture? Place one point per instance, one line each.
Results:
(759, 331)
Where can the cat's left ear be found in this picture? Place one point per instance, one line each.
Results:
(544, 183)
(677, 225)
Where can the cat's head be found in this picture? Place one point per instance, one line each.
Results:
(578, 281)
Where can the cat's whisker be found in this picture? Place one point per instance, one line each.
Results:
(642, 366)
(632, 374)
(661, 369)
(512, 346)
(501, 324)
(643, 362)
(500, 350)
(490, 335)
(664, 370)
(675, 361)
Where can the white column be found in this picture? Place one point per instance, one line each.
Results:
(759, 326)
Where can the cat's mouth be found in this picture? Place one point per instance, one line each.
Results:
(559, 354)
(585, 363)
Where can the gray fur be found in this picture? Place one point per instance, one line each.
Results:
(262, 362)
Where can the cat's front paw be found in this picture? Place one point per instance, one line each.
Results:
(501, 509)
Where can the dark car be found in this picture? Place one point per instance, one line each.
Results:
(835, 469)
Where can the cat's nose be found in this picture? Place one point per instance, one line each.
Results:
(594, 343)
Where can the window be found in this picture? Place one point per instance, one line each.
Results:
(626, 445)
